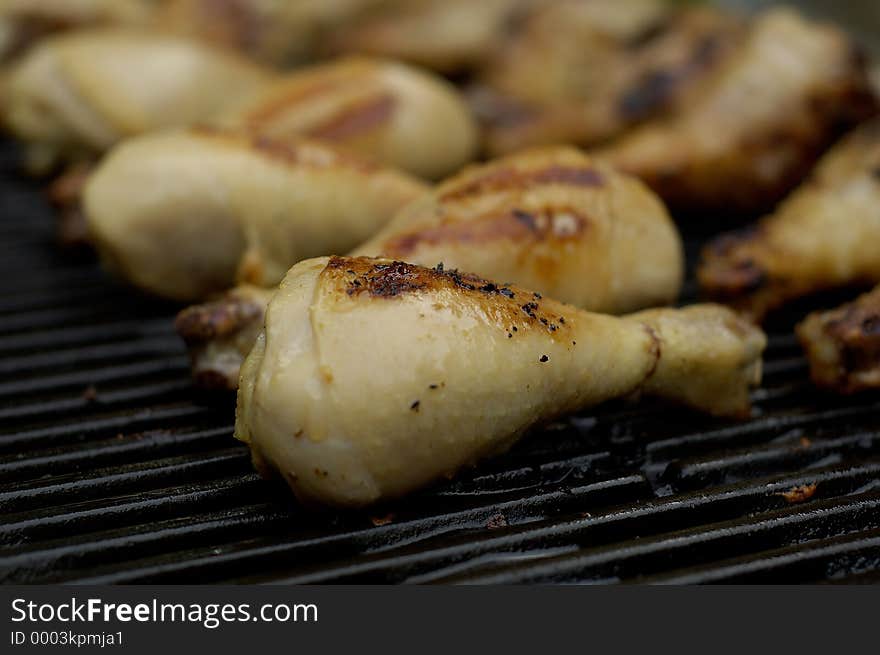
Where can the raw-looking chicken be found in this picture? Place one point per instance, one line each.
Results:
(752, 133)
(825, 235)
(185, 214)
(551, 220)
(278, 32)
(23, 22)
(384, 110)
(375, 377)
(843, 345)
(73, 96)
(448, 36)
(579, 74)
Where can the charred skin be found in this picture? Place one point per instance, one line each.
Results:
(219, 334)
(754, 130)
(383, 110)
(550, 219)
(365, 366)
(650, 71)
(843, 345)
(822, 237)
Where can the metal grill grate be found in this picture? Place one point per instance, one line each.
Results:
(112, 469)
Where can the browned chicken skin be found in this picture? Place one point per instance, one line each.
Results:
(754, 130)
(825, 235)
(843, 345)
(220, 334)
(574, 77)
(551, 219)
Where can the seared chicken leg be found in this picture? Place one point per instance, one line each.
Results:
(375, 377)
(751, 134)
(74, 96)
(843, 345)
(551, 220)
(825, 235)
(384, 110)
(190, 213)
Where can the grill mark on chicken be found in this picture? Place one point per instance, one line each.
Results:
(506, 179)
(285, 151)
(360, 276)
(357, 118)
(320, 84)
(657, 88)
(561, 224)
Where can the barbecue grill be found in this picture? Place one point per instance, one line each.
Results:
(114, 469)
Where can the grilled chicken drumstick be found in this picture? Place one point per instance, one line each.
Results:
(843, 345)
(552, 220)
(752, 132)
(825, 235)
(374, 377)
(186, 214)
(388, 111)
(72, 97)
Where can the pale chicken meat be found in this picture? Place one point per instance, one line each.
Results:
(843, 345)
(825, 235)
(552, 220)
(76, 95)
(24, 22)
(184, 214)
(374, 377)
(755, 129)
(583, 72)
(384, 110)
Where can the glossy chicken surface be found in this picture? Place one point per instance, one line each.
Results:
(582, 72)
(553, 220)
(387, 111)
(843, 345)
(375, 377)
(754, 130)
(185, 214)
(825, 235)
(74, 96)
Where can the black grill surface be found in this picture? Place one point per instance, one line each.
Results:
(114, 469)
